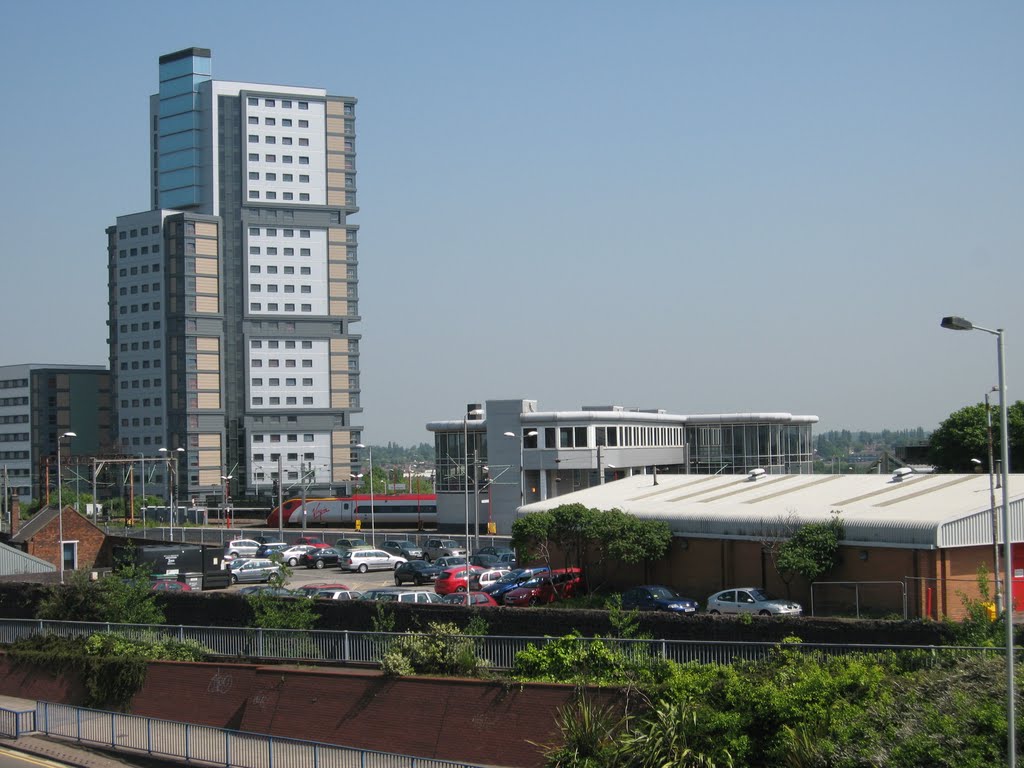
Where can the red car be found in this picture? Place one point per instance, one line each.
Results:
(166, 585)
(454, 579)
(310, 541)
(547, 588)
(475, 599)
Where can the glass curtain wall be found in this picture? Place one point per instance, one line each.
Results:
(739, 448)
(450, 459)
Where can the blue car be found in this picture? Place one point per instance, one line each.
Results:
(516, 579)
(654, 597)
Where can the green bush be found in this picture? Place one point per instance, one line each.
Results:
(441, 650)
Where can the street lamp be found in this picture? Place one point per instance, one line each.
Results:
(992, 503)
(60, 510)
(143, 457)
(955, 323)
(465, 477)
(224, 506)
(172, 483)
(373, 529)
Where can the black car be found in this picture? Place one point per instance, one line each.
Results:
(319, 557)
(416, 572)
(654, 597)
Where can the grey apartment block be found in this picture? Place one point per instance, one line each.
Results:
(252, 187)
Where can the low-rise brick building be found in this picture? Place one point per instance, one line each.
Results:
(40, 536)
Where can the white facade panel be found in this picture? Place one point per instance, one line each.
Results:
(287, 271)
(284, 144)
(302, 454)
(290, 373)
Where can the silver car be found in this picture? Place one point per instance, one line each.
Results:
(242, 548)
(388, 595)
(436, 548)
(751, 600)
(254, 570)
(364, 560)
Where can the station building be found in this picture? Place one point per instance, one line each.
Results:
(514, 454)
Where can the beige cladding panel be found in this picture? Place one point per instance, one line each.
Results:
(209, 440)
(207, 285)
(209, 381)
(340, 400)
(207, 304)
(337, 271)
(206, 229)
(337, 252)
(335, 178)
(208, 344)
(335, 124)
(334, 108)
(205, 266)
(339, 308)
(336, 143)
(208, 362)
(339, 346)
(209, 457)
(335, 162)
(210, 477)
(206, 247)
(336, 197)
(208, 401)
(337, 290)
(339, 382)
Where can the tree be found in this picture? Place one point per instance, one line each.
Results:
(964, 436)
(812, 551)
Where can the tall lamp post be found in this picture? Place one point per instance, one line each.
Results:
(373, 528)
(224, 509)
(992, 503)
(172, 484)
(142, 456)
(961, 324)
(465, 476)
(60, 510)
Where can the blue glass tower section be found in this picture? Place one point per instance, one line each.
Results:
(179, 128)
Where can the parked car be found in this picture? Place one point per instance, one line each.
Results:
(492, 576)
(388, 595)
(364, 560)
(450, 560)
(317, 557)
(254, 569)
(484, 561)
(311, 589)
(311, 541)
(474, 599)
(292, 555)
(751, 600)
(266, 589)
(500, 588)
(268, 548)
(546, 588)
(436, 548)
(496, 551)
(337, 594)
(241, 548)
(167, 585)
(417, 572)
(654, 597)
(410, 550)
(458, 578)
(343, 544)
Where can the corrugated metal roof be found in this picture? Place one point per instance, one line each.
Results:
(14, 561)
(921, 511)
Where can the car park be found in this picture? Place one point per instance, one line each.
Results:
(655, 597)
(292, 555)
(364, 560)
(388, 595)
(254, 569)
(241, 548)
(167, 585)
(492, 576)
(268, 548)
(410, 550)
(450, 560)
(317, 557)
(473, 599)
(344, 544)
(499, 588)
(458, 578)
(751, 600)
(436, 548)
(560, 584)
(416, 572)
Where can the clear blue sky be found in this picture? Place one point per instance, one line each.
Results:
(701, 207)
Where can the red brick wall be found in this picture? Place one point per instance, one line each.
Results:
(45, 543)
(481, 722)
(31, 683)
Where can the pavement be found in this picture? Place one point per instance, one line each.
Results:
(69, 753)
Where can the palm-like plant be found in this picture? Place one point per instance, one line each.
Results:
(665, 739)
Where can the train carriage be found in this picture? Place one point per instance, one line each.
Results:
(419, 509)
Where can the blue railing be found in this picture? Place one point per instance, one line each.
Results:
(199, 743)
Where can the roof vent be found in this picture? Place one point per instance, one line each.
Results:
(899, 474)
(755, 474)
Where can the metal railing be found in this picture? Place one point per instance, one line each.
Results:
(351, 647)
(14, 722)
(204, 743)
